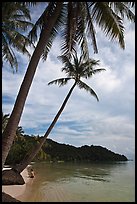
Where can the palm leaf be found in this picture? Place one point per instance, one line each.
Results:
(18, 41)
(42, 23)
(69, 29)
(14, 16)
(30, 3)
(108, 21)
(85, 69)
(60, 82)
(33, 34)
(8, 54)
(84, 86)
(98, 70)
(91, 29)
(68, 66)
(123, 10)
(84, 48)
(132, 4)
(54, 32)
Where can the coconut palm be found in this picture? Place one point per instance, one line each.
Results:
(75, 20)
(5, 119)
(75, 69)
(15, 20)
(19, 134)
(19, 131)
(10, 130)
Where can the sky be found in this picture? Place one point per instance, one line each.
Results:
(85, 121)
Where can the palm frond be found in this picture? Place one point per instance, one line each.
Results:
(69, 29)
(18, 41)
(110, 23)
(23, 25)
(54, 32)
(85, 69)
(8, 54)
(68, 66)
(98, 70)
(60, 82)
(33, 34)
(14, 8)
(30, 3)
(91, 29)
(5, 119)
(84, 86)
(132, 4)
(122, 9)
(84, 49)
(15, 18)
(81, 36)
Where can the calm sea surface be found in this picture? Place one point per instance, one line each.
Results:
(78, 182)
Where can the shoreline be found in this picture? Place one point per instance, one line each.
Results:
(17, 191)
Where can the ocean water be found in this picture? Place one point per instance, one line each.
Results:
(82, 182)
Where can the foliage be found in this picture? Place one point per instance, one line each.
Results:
(5, 119)
(78, 21)
(84, 153)
(15, 22)
(53, 151)
(77, 68)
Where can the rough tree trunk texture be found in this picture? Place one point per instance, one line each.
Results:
(10, 130)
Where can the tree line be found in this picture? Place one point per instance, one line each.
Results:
(52, 151)
(75, 22)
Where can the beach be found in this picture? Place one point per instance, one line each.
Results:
(17, 191)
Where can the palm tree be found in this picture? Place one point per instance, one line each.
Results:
(15, 18)
(77, 20)
(5, 119)
(9, 132)
(19, 134)
(19, 131)
(75, 70)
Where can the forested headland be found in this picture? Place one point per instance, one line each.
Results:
(56, 152)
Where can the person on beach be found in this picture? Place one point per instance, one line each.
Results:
(30, 171)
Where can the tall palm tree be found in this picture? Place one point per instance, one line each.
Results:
(77, 20)
(75, 69)
(9, 132)
(15, 20)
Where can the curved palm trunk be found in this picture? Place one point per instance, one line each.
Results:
(9, 132)
(30, 156)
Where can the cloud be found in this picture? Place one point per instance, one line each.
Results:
(109, 122)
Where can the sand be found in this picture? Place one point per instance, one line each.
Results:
(17, 191)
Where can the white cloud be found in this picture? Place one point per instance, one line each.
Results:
(108, 81)
(109, 122)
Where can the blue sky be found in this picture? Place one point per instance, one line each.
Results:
(109, 122)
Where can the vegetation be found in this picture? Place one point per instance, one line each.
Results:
(15, 21)
(54, 152)
(77, 19)
(75, 69)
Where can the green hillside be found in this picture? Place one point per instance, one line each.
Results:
(53, 151)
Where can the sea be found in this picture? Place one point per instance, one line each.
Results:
(82, 182)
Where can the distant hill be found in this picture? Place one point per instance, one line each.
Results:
(54, 151)
(65, 152)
